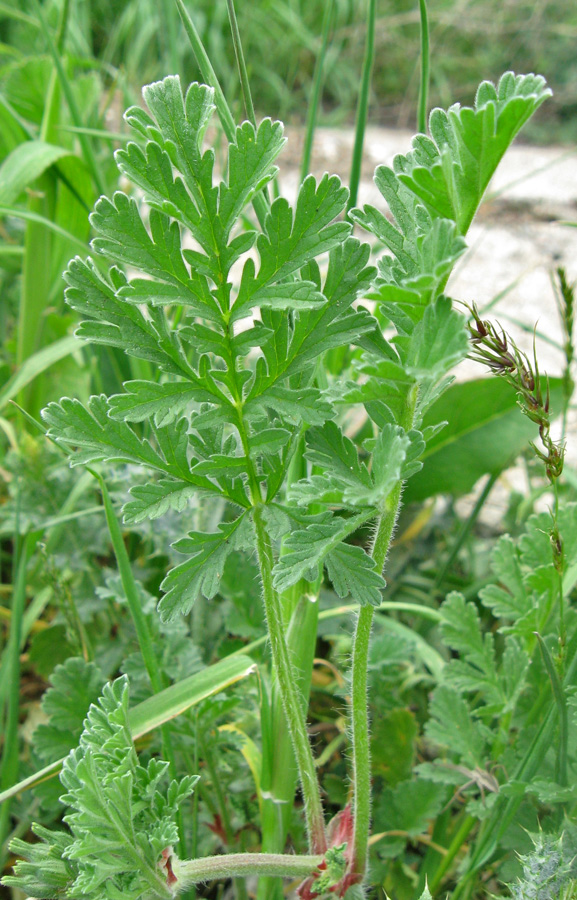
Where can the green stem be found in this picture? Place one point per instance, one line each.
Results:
(425, 62)
(290, 693)
(196, 871)
(83, 139)
(362, 107)
(460, 837)
(288, 684)
(10, 755)
(466, 527)
(359, 705)
(360, 741)
(243, 75)
(561, 703)
(279, 770)
(316, 90)
(240, 886)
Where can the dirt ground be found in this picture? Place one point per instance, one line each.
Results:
(518, 238)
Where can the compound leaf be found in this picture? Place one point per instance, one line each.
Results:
(96, 436)
(352, 571)
(438, 342)
(202, 572)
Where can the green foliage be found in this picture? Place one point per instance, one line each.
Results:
(481, 713)
(548, 871)
(264, 407)
(484, 433)
(434, 191)
(75, 685)
(408, 806)
(527, 577)
(122, 816)
(201, 574)
(230, 405)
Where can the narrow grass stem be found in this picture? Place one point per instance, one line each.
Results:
(196, 871)
(134, 604)
(83, 139)
(260, 201)
(466, 527)
(207, 71)
(169, 35)
(425, 69)
(10, 754)
(290, 693)
(561, 703)
(242, 73)
(316, 90)
(447, 861)
(362, 107)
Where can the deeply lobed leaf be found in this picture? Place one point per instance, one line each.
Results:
(122, 816)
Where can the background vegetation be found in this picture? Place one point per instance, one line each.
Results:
(132, 43)
(67, 70)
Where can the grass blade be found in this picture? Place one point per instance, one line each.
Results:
(24, 165)
(243, 75)
(157, 710)
(362, 107)
(316, 90)
(425, 69)
(131, 591)
(9, 765)
(260, 203)
(28, 215)
(561, 702)
(207, 71)
(35, 365)
(87, 151)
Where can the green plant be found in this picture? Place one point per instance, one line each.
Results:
(242, 406)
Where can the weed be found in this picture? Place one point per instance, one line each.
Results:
(239, 410)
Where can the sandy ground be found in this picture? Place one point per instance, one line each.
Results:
(517, 240)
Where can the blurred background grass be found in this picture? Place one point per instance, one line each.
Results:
(131, 42)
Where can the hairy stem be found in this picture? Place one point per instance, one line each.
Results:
(290, 693)
(280, 773)
(359, 704)
(195, 871)
(240, 886)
